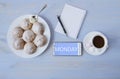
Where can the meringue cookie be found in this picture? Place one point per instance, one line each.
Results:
(40, 40)
(17, 32)
(38, 28)
(19, 44)
(28, 36)
(29, 48)
(25, 24)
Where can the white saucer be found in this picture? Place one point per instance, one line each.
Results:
(21, 53)
(96, 51)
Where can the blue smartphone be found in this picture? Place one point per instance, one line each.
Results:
(67, 48)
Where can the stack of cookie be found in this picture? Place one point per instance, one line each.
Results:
(29, 35)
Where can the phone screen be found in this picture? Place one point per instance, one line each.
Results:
(67, 48)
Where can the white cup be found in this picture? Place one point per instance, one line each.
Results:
(91, 46)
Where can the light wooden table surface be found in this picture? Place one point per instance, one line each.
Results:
(102, 15)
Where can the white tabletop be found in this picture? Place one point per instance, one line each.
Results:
(102, 15)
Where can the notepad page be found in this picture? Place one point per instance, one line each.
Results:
(72, 19)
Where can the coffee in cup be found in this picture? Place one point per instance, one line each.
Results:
(98, 41)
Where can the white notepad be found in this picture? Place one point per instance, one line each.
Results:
(72, 19)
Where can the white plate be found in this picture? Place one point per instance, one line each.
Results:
(89, 37)
(39, 50)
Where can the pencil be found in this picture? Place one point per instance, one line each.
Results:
(62, 24)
